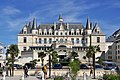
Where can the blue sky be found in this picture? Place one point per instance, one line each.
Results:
(14, 14)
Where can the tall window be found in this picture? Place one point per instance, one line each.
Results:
(45, 40)
(24, 39)
(98, 39)
(65, 40)
(56, 33)
(77, 40)
(25, 32)
(36, 40)
(61, 33)
(50, 40)
(86, 40)
(65, 33)
(109, 57)
(72, 39)
(61, 40)
(24, 49)
(40, 40)
(56, 39)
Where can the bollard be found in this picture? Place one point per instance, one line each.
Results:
(43, 75)
(84, 76)
(23, 76)
(4, 74)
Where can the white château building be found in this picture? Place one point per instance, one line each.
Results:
(63, 37)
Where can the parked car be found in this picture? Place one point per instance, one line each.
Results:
(97, 66)
(83, 66)
(57, 66)
(109, 65)
(17, 66)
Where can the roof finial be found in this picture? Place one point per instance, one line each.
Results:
(88, 23)
(60, 18)
(34, 23)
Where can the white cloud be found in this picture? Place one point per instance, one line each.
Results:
(10, 10)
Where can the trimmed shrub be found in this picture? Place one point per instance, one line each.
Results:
(59, 78)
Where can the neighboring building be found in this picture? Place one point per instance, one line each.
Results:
(113, 53)
(63, 37)
(117, 41)
(2, 56)
(1, 48)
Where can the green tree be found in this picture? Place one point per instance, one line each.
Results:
(91, 54)
(54, 60)
(100, 60)
(74, 68)
(33, 62)
(14, 53)
(42, 55)
(73, 54)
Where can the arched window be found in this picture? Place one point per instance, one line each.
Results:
(56, 33)
(61, 40)
(72, 33)
(77, 40)
(40, 40)
(25, 32)
(65, 33)
(61, 33)
(45, 40)
(50, 40)
(72, 40)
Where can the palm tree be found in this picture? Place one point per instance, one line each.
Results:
(91, 54)
(14, 53)
(41, 55)
(54, 60)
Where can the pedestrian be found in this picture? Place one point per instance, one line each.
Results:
(44, 69)
(91, 72)
(117, 70)
(25, 70)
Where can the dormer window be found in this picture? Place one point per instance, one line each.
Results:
(56, 33)
(65, 33)
(61, 33)
(95, 30)
(72, 33)
(98, 32)
(25, 32)
(36, 32)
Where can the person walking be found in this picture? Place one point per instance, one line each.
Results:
(44, 69)
(25, 71)
(91, 72)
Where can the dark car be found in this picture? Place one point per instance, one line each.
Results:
(30, 65)
(57, 66)
(17, 66)
(83, 66)
(110, 66)
(98, 66)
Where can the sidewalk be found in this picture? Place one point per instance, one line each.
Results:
(37, 78)
(20, 78)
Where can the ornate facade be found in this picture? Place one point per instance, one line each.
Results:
(63, 37)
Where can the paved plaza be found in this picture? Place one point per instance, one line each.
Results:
(20, 78)
(36, 78)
